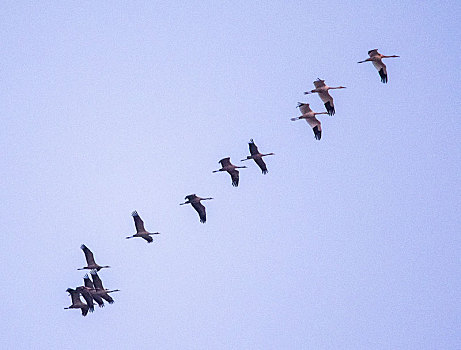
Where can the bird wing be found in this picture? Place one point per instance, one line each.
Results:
(261, 165)
(319, 83)
(88, 298)
(87, 282)
(88, 255)
(373, 52)
(225, 162)
(304, 108)
(107, 298)
(96, 280)
(75, 296)
(253, 148)
(138, 222)
(148, 238)
(190, 197)
(200, 208)
(84, 309)
(97, 299)
(235, 177)
(381, 67)
(326, 97)
(316, 126)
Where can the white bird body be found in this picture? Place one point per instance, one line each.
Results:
(194, 200)
(226, 165)
(377, 59)
(140, 230)
(257, 156)
(309, 115)
(322, 89)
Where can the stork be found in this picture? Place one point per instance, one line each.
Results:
(91, 264)
(322, 89)
(377, 60)
(226, 165)
(86, 294)
(309, 115)
(90, 287)
(194, 200)
(76, 302)
(100, 290)
(257, 156)
(140, 230)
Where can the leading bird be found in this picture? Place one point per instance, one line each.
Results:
(377, 60)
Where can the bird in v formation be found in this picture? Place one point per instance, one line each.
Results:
(94, 290)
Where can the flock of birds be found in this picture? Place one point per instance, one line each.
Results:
(93, 290)
(322, 90)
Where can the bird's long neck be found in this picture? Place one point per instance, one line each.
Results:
(390, 56)
(267, 154)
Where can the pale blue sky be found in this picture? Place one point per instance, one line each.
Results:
(351, 242)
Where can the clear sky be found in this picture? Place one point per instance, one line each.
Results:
(351, 242)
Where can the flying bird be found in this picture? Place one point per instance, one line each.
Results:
(91, 264)
(140, 230)
(322, 89)
(77, 302)
(376, 58)
(309, 115)
(257, 156)
(100, 290)
(86, 294)
(194, 200)
(226, 165)
(90, 287)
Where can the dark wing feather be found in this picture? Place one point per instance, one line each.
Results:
(235, 177)
(149, 239)
(261, 164)
(87, 282)
(253, 148)
(96, 280)
(138, 222)
(88, 298)
(200, 208)
(383, 75)
(97, 299)
(330, 108)
(317, 132)
(88, 255)
(107, 298)
(225, 162)
(85, 310)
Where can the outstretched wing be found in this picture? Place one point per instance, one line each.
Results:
(381, 67)
(253, 147)
(138, 222)
(373, 52)
(319, 83)
(96, 280)
(87, 296)
(200, 208)
(88, 255)
(328, 102)
(87, 282)
(225, 162)
(235, 177)
(149, 239)
(316, 127)
(261, 165)
(304, 108)
(107, 298)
